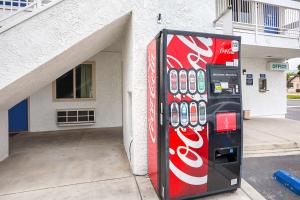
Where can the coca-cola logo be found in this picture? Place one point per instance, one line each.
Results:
(182, 152)
(152, 96)
(226, 51)
(187, 152)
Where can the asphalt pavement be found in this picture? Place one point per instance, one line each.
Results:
(258, 172)
(293, 110)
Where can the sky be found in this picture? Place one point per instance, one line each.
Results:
(293, 64)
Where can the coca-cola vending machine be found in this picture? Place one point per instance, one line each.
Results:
(194, 114)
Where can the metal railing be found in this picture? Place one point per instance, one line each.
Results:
(261, 17)
(13, 5)
(18, 7)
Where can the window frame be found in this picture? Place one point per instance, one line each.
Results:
(55, 99)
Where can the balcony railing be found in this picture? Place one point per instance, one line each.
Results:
(13, 5)
(263, 18)
(17, 10)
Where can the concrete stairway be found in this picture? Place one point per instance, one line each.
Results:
(48, 44)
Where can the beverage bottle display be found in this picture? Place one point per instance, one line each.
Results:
(183, 81)
(192, 81)
(202, 113)
(193, 113)
(201, 81)
(174, 114)
(173, 81)
(184, 114)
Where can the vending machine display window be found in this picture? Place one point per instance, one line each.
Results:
(174, 114)
(202, 113)
(184, 114)
(226, 122)
(173, 81)
(192, 81)
(193, 114)
(183, 81)
(201, 81)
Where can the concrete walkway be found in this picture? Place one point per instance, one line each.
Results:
(271, 137)
(75, 165)
(67, 165)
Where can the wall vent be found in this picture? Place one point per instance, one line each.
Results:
(75, 117)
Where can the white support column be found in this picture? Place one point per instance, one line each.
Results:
(227, 22)
(4, 140)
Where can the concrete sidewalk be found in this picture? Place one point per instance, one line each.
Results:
(268, 136)
(67, 165)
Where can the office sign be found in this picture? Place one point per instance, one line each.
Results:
(278, 66)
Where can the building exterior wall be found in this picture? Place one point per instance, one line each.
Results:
(108, 103)
(3, 135)
(271, 103)
(127, 69)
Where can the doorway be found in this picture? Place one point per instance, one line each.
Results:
(18, 117)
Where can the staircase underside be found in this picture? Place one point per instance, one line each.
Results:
(36, 76)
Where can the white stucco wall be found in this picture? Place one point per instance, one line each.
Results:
(264, 104)
(3, 135)
(127, 68)
(108, 101)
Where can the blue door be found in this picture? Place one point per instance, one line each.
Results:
(18, 117)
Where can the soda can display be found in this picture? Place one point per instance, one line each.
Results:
(183, 81)
(192, 81)
(173, 81)
(184, 114)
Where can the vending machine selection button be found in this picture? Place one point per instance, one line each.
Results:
(192, 81)
(225, 122)
(202, 113)
(184, 114)
(201, 81)
(183, 81)
(174, 114)
(173, 78)
(193, 114)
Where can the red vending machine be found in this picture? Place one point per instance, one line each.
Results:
(194, 114)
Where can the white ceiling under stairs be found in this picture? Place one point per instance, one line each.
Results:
(37, 51)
